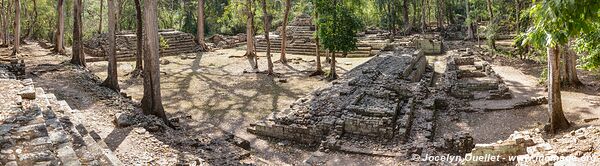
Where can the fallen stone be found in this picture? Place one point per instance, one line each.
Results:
(27, 92)
(123, 120)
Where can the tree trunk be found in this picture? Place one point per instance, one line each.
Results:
(152, 101)
(3, 18)
(111, 81)
(491, 12)
(100, 15)
(569, 67)
(518, 16)
(59, 46)
(267, 23)
(17, 28)
(140, 39)
(557, 116)
(288, 5)
(319, 70)
(333, 74)
(470, 24)
(423, 15)
(250, 34)
(200, 24)
(78, 56)
(407, 24)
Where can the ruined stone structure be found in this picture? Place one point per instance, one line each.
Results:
(13, 69)
(382, 104)
(469, 77)
(176, 43)
(301, 41)
(33, 133)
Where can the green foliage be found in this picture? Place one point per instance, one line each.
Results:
(337, 26)
(164, 43)
(588, 45)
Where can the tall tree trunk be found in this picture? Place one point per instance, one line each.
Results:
(200, 24)
(267, 23)
(4, 30)
(518, 16)
(423, 15)
(250, 34)
(59, 46)
(78, 57)
(407, 24)
(152, 100)
(286, 13)
(333, 74)
(319, 70)
(32, 20)
(491, 13)
(470, 24)
(140, 38)
(17, 29)
(557, 116)
(100, 15)
(111, 81)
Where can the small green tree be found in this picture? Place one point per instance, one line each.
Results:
(337, 29)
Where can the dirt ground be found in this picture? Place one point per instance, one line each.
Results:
(214, 89)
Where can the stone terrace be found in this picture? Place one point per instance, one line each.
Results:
(33, 133)
(302, 42)
(178, 43)
(378, 108)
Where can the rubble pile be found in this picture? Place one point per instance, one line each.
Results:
(531, 147)
(381, 107)
(222, 41)
(126, 43)
(12, 70)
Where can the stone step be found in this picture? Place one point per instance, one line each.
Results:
(367, 52)
(64, 147)
(87, 149)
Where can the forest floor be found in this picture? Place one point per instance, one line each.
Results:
(214, 89)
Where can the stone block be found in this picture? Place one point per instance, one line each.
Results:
(27, 92)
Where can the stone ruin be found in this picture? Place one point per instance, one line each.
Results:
(12, 69)
(126, 43)
(300, 40)
(382, 107)
(223, 41)
(469, 77)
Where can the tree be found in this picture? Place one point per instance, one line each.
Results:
(319, 70)
(267, 23)
(100, 15)
(250, 52)
(469, 22)
(4, 18)
(200, 35)
(491, 27)
(78, 57)
(407, 24)
(140, 40)
(17, 28)
(554, 23)
(152, 101)
(338, 27)
(59, 46)
(288, 5)
(111, 81)
(569, 67)
(423, 12)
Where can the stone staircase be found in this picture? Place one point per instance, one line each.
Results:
(178, 43)
(37, 129)
(301, 41)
